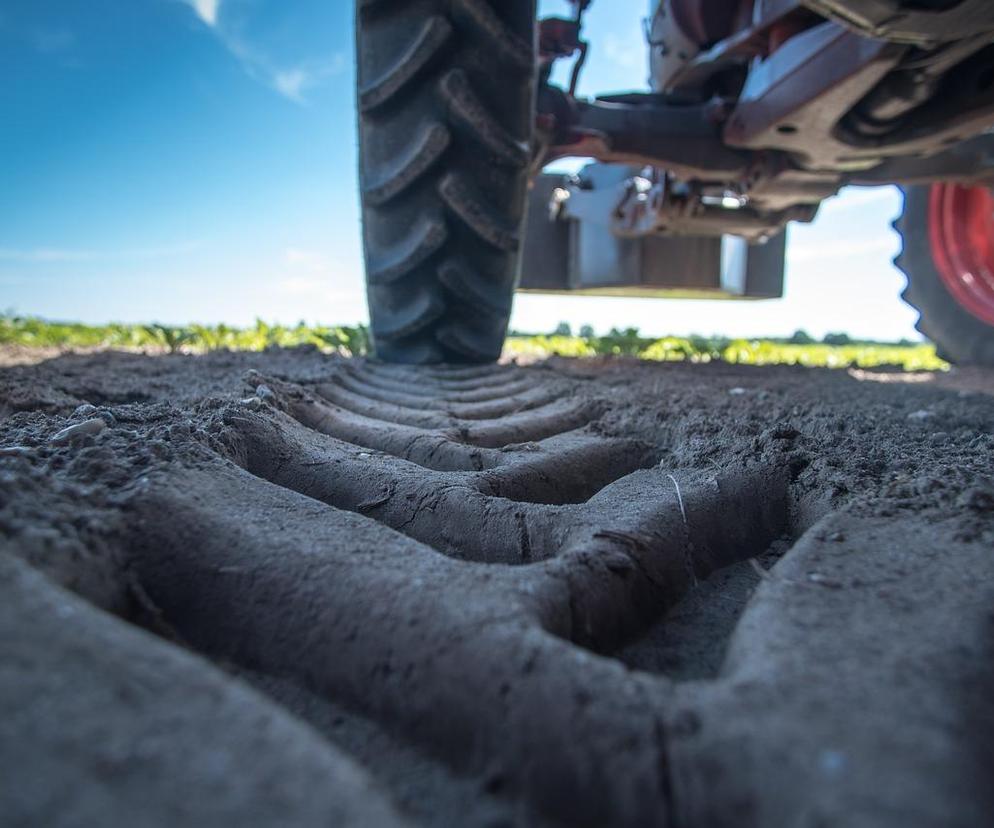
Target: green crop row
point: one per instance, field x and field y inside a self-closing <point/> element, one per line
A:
<point x="908" y="356"/>
<point x="799" y="350"/>
<point x="33" y="332"/>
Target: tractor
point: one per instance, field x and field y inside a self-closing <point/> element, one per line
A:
<point x="756" y="112"/>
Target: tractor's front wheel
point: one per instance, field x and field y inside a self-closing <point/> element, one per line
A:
<point x="445" y="97"/>
<point x="948" y="256"/>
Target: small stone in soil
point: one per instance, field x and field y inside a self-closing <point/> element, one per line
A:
<point x="70" y="433"/>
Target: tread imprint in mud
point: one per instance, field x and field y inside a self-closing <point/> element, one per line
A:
<point x="592" y="538"/>
<point x="444" y="94"/>
<point x="465" y="557"/>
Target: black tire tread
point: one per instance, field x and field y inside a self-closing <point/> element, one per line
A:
<point x="424" y="238"/>
<point x="411" y="163"/>
<point x="467" y="109"/>
<point x="470" y="206"/>
<point x="515" y="47"/>
<point x="432" y="37"/>
<point x="458" y="276"/>
<point x="445" y="91"/>
<point x="959" y="336"/>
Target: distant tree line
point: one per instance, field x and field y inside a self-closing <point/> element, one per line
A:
<point x="632" y="335"/>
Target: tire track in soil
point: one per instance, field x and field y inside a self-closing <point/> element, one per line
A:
<point x="607" y="566"/>
<point x="463" y="562"/>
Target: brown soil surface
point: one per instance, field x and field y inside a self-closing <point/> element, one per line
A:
<point x="290" y="589"/>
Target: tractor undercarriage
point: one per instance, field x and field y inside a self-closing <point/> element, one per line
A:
<point x="755" y="117"/>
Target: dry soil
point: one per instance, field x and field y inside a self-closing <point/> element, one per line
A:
<point x="292" y="589"/>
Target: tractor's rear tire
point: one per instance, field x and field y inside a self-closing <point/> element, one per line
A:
<point x="947" y="232"/>
<point x="446" y="98"/>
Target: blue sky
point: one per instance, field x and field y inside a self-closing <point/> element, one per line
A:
<point x="194" y="160"/>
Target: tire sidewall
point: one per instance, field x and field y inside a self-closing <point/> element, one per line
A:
<point x="959" y="336"/>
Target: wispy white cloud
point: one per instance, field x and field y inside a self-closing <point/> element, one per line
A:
<point x="291" y="79"/>
<point x="52" y="255"/>
<point x="207" y="10"/>
<point x="290" y="83"/>
<point x="293" y="82"/>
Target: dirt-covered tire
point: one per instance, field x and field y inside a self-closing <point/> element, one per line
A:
<point x="445" y="98"/>
<point x="956" y="325"/>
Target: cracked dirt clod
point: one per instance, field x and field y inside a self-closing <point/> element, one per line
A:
<point x="448" y="575"/>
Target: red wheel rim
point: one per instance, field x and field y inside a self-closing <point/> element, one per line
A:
<point x="961" y="235"/>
